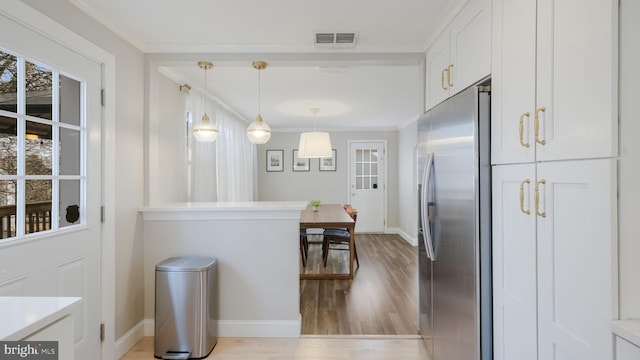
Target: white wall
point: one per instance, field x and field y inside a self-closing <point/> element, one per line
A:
<point x="629" y="170"/>
<point x="167" y="141"/>
<point x="407" y="182"/>
<point x="329" y="187"/>
<point x="258" y="266"/>
<point x="129" y="154"/>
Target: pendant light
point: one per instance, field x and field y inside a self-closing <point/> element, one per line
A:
<point x="259" y="132"/>
<point x="315" y="144"/>
<point x="204" y="130"/>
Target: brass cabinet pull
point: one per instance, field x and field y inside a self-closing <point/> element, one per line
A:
<point x="527" y="114"/>
<point x="536" y="126"/>
<point x="528" y="181"/>
<point x="537" y="191"/>
<point x="449" y="75"/>
<point x="442" y="80"/>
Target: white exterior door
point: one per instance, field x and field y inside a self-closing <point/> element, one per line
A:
<point x="367" y="184"/>
<point x="62" y="258"/>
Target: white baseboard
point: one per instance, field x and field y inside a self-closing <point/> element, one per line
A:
<point x="247" y="328"/>
<point x="264" y="328"/>
<point x="408" y="238"/>
<point x="126" y="342"/>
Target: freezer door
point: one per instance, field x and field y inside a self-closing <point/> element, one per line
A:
<point x="455" y="304"/>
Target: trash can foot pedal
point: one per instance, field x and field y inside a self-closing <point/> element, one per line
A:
<point x="176" y="355"/>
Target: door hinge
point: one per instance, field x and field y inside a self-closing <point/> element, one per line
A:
<point x="102" y="214"/>
<point x="102" y="97"/>
<point x="101" y="332"/>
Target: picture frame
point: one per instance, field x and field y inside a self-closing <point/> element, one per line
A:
<point x="328" y="164"/>
<point x="298" y="163"/>
<point x="275" y="160"/>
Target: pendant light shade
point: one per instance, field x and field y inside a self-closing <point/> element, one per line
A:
<point x="315" y="144"/>
<point x="204" y="130"/>
<point x="259" y="132"/>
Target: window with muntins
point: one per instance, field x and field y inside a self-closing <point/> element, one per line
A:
<point x="367" y="169"/>
<point x="42" y="147"/>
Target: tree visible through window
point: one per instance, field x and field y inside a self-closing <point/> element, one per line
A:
<point x="40" y="147"/>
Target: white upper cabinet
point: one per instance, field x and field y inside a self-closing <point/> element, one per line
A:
<point x="554" y="76"/>
<point x="437" y="71"/>
<point x="461" y="56"/>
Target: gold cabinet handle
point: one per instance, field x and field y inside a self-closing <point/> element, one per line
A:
<point x="537" y="191"/>
<point x="442" y="80"/>
<point x="536" y="126"/>
<point x="449" y="75"/>
<point x="528" y="181"/>
<point x="527" y="114"/>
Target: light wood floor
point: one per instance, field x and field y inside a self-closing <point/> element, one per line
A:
<point x="304" y="348"/>
<point x="381" y="299"/>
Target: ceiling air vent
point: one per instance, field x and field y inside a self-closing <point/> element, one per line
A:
<point x="336" y="40"/>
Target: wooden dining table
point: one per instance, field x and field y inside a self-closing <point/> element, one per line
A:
<point x="329" y="216"/>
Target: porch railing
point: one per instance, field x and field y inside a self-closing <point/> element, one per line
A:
<point x="37" y="218"/>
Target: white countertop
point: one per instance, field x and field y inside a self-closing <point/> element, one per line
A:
<point x="254" y="210"/>
<point x="23" y="315"/>
<point x="628" y="329"/>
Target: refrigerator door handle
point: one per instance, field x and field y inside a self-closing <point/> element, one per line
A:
<point x="426" y="226"/>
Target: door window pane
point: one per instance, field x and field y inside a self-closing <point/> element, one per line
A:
<point x="69" y="207"/>
<point x="38" y="149"/>
<point x="8" y="146"/>
<point x="8" y="82"/>
<point x="37" y="205"/>
<point x="69" y="152"/>
<point x="69" y="101"/>
<point x="39" y="91"/>
<point x="8" y="190"/>
<point x="28" y="154"/>
<point x="366" y="169"/>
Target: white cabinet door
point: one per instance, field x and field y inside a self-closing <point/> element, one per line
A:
<point x="626" y="350"/>
<point x="513" y="81"/>
<point x="576" y="238"/>
<point x="514" y="262"/>
<point x="461" y="56"/>
<point x="470" y="34"/>
<point x="559" y="71"/>
<point x="577" y="78"/>
<point x="437" y="64"/>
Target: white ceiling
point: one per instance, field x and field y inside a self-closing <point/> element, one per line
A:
<point x="379" y="81"/>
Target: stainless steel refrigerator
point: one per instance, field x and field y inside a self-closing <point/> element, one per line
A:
<point x="454" y="189"/>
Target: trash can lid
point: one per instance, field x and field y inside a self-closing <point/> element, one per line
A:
<point x="186" y="263"/>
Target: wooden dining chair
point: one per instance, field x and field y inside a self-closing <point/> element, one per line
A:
<point x="339" y="239"/>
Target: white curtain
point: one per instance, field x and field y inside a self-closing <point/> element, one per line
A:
<point x="222" y="170"/>
<point x="235" y="158"/>
<point x="203" y="154"/>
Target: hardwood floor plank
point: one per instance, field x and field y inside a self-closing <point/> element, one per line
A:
<point x="301" y="349"/>
<point x="381" y="299"/>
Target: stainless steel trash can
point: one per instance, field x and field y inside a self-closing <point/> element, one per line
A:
<point x="186" y="307"/>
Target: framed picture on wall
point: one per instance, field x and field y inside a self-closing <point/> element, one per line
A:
<point x="300" y="164"/>
<point x="328" y="164"/>
<point x="275" y="160"/>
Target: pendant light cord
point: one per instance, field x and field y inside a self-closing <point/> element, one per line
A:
<point x="205" y="89"/>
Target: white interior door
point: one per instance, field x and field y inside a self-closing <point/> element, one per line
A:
<point x="63" y="257"/>
<point x="367" y="184"/>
